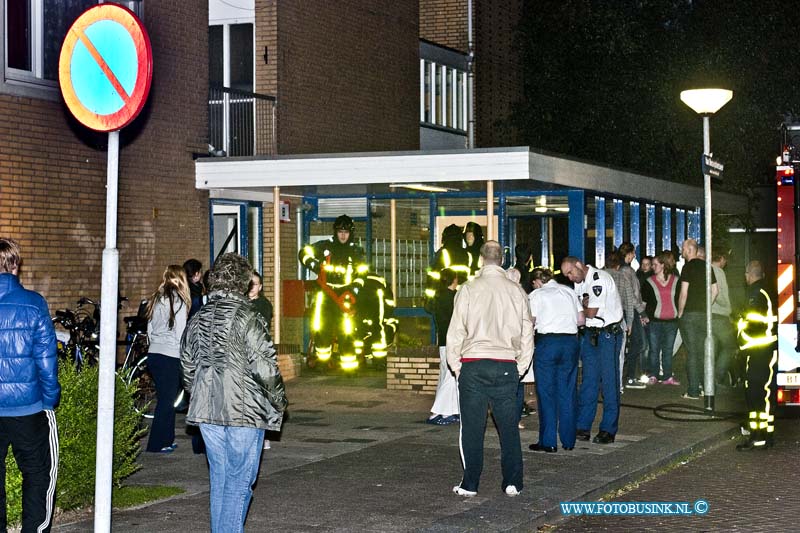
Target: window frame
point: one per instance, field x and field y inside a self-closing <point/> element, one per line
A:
<point x="31" y="83"/>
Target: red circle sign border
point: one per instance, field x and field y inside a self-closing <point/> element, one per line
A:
<point x="144" y="53"/>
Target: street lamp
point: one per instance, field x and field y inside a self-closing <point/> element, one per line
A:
<point x="706" y="102"/>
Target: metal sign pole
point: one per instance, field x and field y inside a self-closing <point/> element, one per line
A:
<point x="708" y="365"/>
<point x="108" y="342"/>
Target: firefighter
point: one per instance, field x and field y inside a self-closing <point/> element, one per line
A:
<point x="758" y="341"/>
<point x="451" y="255"/>
<point x="340" y="267"/>
<point x="473" y="240"/>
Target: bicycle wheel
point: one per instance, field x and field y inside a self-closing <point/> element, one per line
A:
<point x="145" y="397"/>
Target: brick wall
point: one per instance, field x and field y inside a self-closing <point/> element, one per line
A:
<point x="497" y="81"/>
<point x="348" y="76"/>
<point x="413" y="369"/>
<point x="444" y="22"/>
<point x="53" y="175"/>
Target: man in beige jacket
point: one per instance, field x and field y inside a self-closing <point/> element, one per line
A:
<point x="489" y="347"/>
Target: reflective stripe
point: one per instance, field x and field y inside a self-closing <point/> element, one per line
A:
<point x="51" y="486"/>
<point x="316" y="324"/>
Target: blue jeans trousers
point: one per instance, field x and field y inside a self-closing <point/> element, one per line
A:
<point x="556" y="368"/>
<point x="600" y="373"/>
<point x="234" y="456"/>
<point x="483" y="384"/>
<point x="662" y="341"/>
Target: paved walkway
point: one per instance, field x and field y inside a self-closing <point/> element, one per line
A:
<point x="745" y="491"/>
<point x="356" y="457"/>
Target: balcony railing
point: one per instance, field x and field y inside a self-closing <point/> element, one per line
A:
<point x="241" y="123"/>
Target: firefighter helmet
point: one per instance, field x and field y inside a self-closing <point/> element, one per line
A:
<point x="344" y="222"/>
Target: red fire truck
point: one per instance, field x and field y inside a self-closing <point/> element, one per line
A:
<point x="788" y="222"/>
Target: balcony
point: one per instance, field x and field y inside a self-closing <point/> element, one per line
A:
<point x="241" y="123"/>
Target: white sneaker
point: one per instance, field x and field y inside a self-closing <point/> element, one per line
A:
<point x="644" y="379"/>
<point x="512" y="491"/>
<point x="465" y="493"/>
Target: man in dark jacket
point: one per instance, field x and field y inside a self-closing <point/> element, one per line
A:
<point x="230" y="367"/>
<point x="29" y="391"/>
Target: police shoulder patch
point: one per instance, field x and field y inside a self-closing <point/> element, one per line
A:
<point x="597" y="290"/>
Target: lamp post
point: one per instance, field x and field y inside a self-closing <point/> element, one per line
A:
<point x="706" y="102"/>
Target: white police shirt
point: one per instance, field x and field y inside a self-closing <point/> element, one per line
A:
<point x="555" y="308"/>
<point x="603" y="296"/>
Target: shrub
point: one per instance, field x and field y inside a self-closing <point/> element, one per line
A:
<point x="76" y="417"/>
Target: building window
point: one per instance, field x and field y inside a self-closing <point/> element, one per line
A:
<point x="442" y="95"/>
<point x="33" y="33"/>
<point x="230" y="56"/>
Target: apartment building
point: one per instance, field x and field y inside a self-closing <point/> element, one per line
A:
<point x="53" y="170"/>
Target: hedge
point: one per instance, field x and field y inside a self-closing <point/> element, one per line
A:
<point x="76" y="417"/>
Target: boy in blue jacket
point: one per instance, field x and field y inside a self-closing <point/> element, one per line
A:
<point x="29" y="391"/>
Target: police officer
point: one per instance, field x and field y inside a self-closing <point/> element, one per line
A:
<point x="600" y="346"/>
<point x="557" y="314"/>
<point x="451" y="255"/>
<point x="757" y="339"/>
<point x="338" y="263"/>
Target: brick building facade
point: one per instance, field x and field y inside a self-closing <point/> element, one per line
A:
<point x="53" y="173"/>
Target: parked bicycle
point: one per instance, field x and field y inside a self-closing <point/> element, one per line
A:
<point x="78" y="333"/>
<point x="78" y="338"/>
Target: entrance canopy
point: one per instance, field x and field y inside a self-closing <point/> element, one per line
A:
<point x="450" y="168"/>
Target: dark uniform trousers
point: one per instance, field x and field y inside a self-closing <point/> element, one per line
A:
<point x="761" y="391"/>
<point x="483" y="384"/>
<point x="556" y="370"/>
<point x="34" y="443"/>
<point x="599" y="373"/>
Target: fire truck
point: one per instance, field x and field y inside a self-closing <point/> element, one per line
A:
<point x="788" y="226"/>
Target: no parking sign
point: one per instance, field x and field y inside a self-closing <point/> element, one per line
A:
<point x="105" y="67"/>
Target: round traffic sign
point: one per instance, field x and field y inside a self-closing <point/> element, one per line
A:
<point x="105" y="67"/>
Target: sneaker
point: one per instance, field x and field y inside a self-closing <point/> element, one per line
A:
<point x="652" y="380"/>
<point x="433" y="419"/>
<point x="447" y="420"/>
<point x="688" y="396"/>
<point x="671" y="381"/>
<point x="634" y="384"/>
<point x="465" y="493"/>
<point x="644" y="378"/>
<point x="166" y="449"/>
<point x="512" y="491"/>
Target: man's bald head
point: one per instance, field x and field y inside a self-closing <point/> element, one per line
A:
<point x="492" y="253"/>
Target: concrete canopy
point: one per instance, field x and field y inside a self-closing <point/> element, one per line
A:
<point x="253" y="175"/>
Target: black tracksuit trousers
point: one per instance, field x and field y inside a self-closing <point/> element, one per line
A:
<point x="34" y="443"/>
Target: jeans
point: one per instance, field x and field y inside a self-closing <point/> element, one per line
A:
<point x="600" y="373"/>
<point x="633" y="358"/>
<point x="483" y="384"/>
<point x="662" y="341"/>
<point x="556" y="367"/>
<point x="166" y="372"/>
<point x="724" y="346"/>
<point x="693" y="331"/>
<point x="234" y="456"/>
